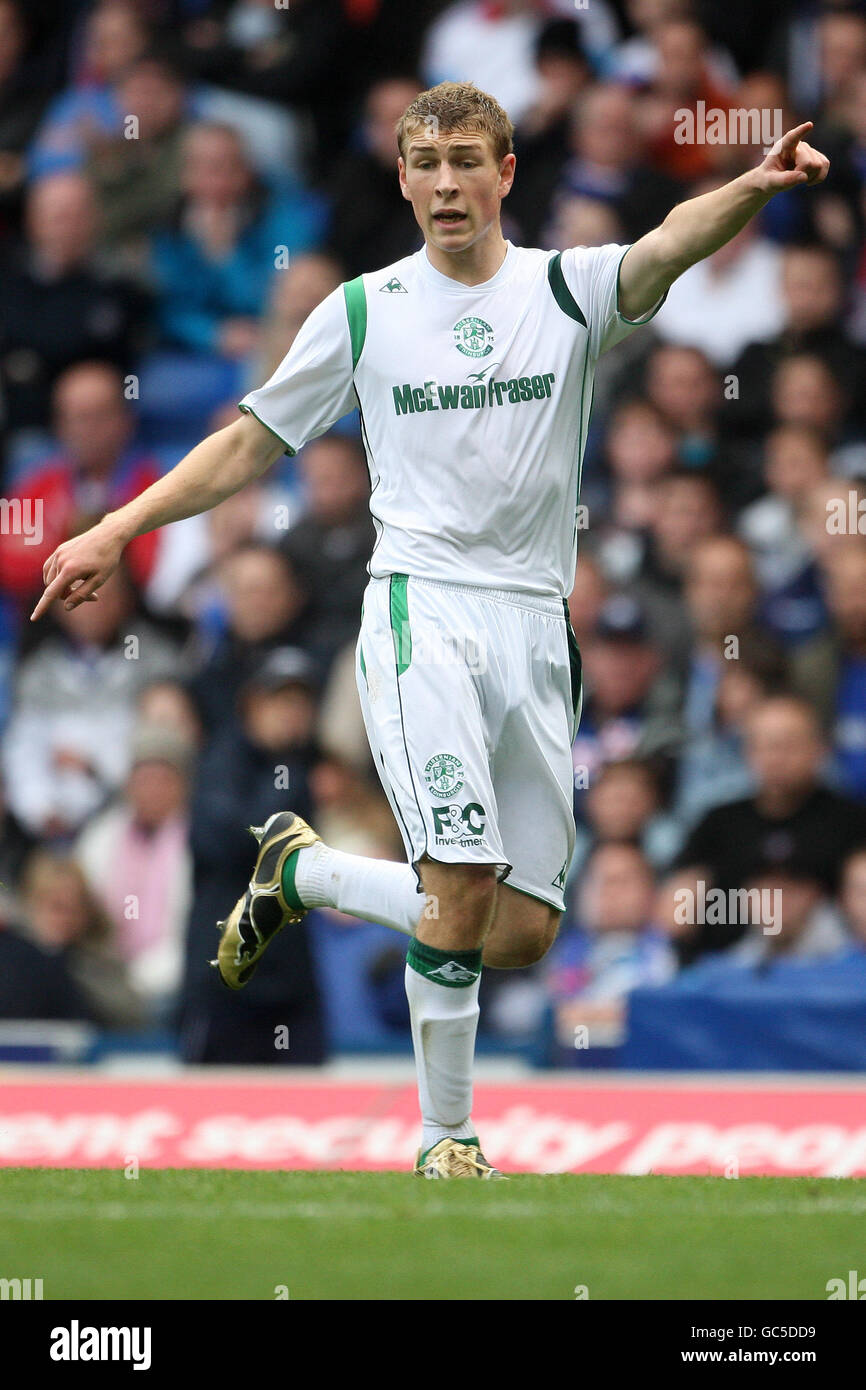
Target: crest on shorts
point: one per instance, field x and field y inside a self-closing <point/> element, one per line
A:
<point x="444" y="775"/>
<point x="473" y="337"/>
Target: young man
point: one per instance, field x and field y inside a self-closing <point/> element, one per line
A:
<point x="472" y="364"/>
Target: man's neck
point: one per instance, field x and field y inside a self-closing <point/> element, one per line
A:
<point x="478" y="263"/>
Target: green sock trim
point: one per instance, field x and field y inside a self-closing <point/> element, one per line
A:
<point x="454" y="969"/>
<point x="287" y="881"/>
<point x="474" y="1141"/>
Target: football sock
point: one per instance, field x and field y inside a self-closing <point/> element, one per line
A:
<point x="376" y="890"/>
<point x="442" y="989"/>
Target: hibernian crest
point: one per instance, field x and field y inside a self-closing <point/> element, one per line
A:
<point x="473" y="337"/>
<point x="444" y="775"/>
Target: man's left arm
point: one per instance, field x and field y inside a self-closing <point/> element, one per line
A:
<point x="695" y="229"/>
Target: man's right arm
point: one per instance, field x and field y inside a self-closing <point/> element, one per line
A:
<point x="214" y="470"/>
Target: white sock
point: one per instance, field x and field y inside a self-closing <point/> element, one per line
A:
<point x="444" y="1022"/>
<point x="376" y="890"/>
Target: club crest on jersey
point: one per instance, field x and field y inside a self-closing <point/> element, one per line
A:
<point x="473" y="337"/>
<point x="444" y="775"/>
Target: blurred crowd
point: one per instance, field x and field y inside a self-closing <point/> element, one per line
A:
<point x="181" y="182"/>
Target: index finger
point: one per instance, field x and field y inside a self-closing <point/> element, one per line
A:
<point x="791" y="138"/>
<point x="52" y="591"/>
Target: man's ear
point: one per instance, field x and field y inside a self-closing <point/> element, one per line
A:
<point x="506" y="174"/>
<point x="401" y="174"/>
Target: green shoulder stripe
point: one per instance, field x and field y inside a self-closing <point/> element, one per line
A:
<point x="356" y="312"/>
<point x="561" y="293"/>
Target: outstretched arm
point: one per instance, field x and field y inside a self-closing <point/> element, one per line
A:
<point x="215" y="469"/>
<point x="697" y="228"/>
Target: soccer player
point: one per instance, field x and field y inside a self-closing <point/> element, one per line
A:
<point x="472" y="365"/>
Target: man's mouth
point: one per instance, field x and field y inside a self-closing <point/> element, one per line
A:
<point x="449" y="217"/>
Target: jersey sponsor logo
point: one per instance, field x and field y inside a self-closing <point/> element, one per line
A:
<point x="515" y="390"/>
<point x="444" y="775"/>
<point x="460" y="824"/>
<point x="473" y="337"/>
<point x="393" y="286"/>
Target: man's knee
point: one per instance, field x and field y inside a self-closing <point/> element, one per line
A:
<point x="521" y="935"/>
<point x="460" y="901"/>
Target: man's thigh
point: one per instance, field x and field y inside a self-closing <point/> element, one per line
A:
<point x="533" y="776"/>
<point x="429" y="735"/>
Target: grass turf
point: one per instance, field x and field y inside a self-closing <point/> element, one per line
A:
<point x="179" y="1234"/>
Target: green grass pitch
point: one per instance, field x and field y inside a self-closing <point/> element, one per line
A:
<point x="192" y="1234"/>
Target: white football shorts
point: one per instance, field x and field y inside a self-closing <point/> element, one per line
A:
<point x="471" y="699"/>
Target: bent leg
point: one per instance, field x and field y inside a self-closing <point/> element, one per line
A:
<point x="522" y="931"/>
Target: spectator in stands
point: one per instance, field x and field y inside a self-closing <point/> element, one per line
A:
<point x="722" y="596"/>
<point x="63" y="918"/>
<point x="115" y="35"/>
<point x="300" y="55"/>
<point x="689" y="391"/>
<point x="683" y="77"/>
<point x="23" y="98"/>
<point x="66" y="745"/>
<point x="35" y="984"/>
<point x="607" y="162"/>
<point x="264" y="605"/>
<point x="807" y="927"/>
<point x="791" y="815"/>
<point x="56" y="306"/>
<point x="620" y="667"/>
<point x="542" y="137"/>
<point x="245" y="775"/>
<point x="168" y="705"/>
<point x="623" y="804"/>
<point x="372" y="223"/>
<point x="295" y="293"/>
<point x="688" y="513"/>
<point x="795" y="462"/>
<point x="636" y="59"/>
<point x="830" y="671"/>
<point x="711" y="765"/>
<point x="612" y="948"/>
<point x="641" y="450"/>
<point x="330" y="547"/>
<point x="213" y="267"/>
<point x="577" y="220"/>
<point x="98" y="467"/>
<point x="804" y="391"/>
<point x="136" y="859"/>
<point x="812" y="304"/>
<point x="136" y="171"/>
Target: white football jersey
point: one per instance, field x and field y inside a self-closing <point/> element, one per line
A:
<point x="474" y="404"/>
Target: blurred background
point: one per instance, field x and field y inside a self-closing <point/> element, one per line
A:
<point x="181" y="182"/>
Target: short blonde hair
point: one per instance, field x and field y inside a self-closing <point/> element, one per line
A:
<point x="454" y="106"/>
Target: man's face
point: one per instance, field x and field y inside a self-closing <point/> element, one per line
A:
<point x="455" y="185"/>
<point x="783" y="747"/>
<point x="90" y="418"/>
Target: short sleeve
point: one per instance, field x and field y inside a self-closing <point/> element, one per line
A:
<point x="592" y="275"/>
<point x="312" y="387"/>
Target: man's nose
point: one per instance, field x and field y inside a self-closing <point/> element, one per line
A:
<point x="446" y="181"/>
